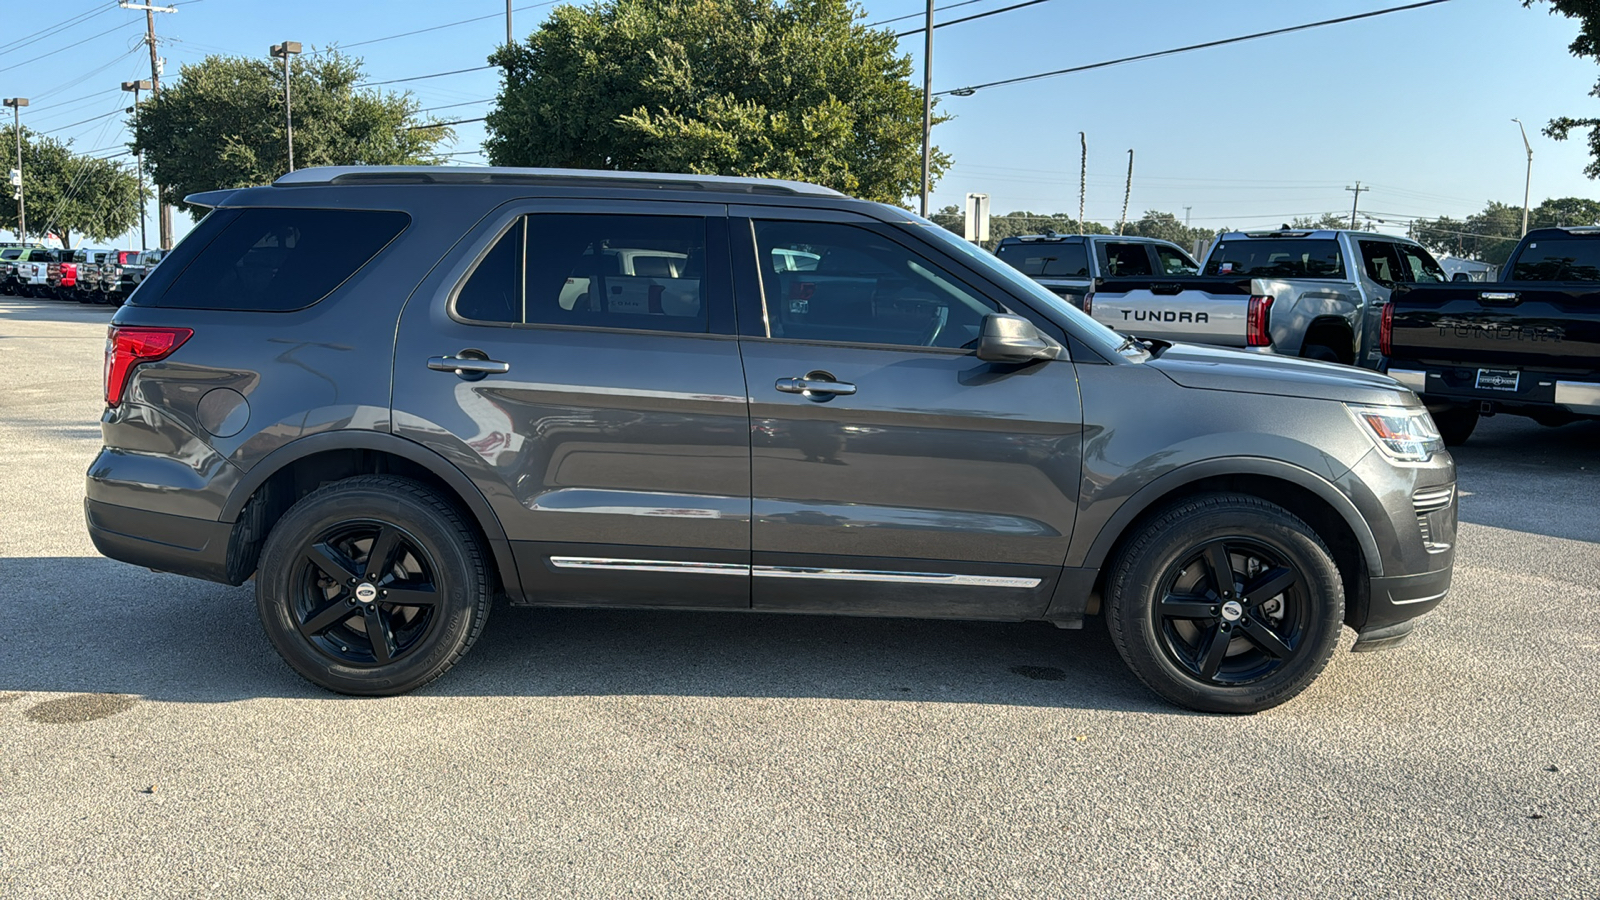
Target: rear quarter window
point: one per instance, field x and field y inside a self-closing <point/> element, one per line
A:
<point x="274" y="260"/>
<point x="1272" y="258"/>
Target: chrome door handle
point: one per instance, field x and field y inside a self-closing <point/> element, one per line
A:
<point x="467" y="365"/>
<point x="805" y="386"/>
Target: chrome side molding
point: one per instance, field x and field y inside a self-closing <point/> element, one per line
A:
<point x="689" y="567"/>
<point x="666" y="566"/>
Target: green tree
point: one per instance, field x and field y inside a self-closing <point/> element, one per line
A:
<point x="1167" y="227"/>
<point x="1488" y="236"/>
<point x="1559" y="211"/>
<point x="67" y="193"/>
<point x="1331" y="222"/>
<point x="221" y="124"/>
<point x="791" y="89"/>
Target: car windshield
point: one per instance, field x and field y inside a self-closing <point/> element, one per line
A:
<point x="1094" y="333"/>
<point x="1276" y="258"/>
<point x="1558" y="259"/>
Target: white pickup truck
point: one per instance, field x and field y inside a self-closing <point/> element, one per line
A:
<point x="1314" y="294"/>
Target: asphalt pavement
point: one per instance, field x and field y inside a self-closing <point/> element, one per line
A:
<point x="153" y="744"/>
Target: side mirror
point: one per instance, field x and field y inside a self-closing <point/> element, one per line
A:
<point x="1460" y="276"/>
<point x="1013" y="339"/>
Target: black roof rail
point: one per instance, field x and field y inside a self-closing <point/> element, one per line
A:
<point x="324" y="175"/>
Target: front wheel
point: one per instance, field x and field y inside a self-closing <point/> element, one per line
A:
<point x="373" y="586"/>
<point x="1455" y="424"/>
<point x="1225" y="603"/>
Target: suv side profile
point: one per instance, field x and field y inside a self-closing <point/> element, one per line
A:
<point x="390" y="395"/>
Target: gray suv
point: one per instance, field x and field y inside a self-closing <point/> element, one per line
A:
<point x="391" y="395"/>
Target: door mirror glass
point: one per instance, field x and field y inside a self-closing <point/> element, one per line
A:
<point x="1014" y="339"/>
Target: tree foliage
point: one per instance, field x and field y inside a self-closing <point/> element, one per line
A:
<point x="775" y="88"/>
<point x="221" y="125"/>
<point x="1586" y="44"/>
<point x="1331" y="222"/>
<point x="1491" y="234"/>
<point x="66" y="193"/>
<point x="1153" y="223"/>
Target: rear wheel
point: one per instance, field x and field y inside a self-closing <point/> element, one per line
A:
<point x="1225" y="603"/>
<point x="1320" y="353"/>
<point x="373" y="586"/>
<point x="1455" y="424"/>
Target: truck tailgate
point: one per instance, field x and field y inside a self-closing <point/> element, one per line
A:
<point x="1543" y="325"/>
<point x="1199" y="309"/>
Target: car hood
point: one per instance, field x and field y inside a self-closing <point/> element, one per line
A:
<point x="1218" y="369"/>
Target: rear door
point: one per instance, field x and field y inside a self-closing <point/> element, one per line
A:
<point x="894" y="472"/>
<point x="579" y="360"/>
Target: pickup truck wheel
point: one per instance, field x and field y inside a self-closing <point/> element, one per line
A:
<point x="1225" y="603"/>
<point x="1455" y="424"/>
<point x="1320" y="353"/>
<point x="373" y="586"/>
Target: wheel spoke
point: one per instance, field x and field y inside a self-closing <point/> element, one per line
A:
<point x="328" y="616"/>
<point x="380" y="559"/>
<point x="415" y="595"/>
<point x="1212" y="650"/>
<point x="1175" y="606"/>
<point x="378" y="634"/>
<point x="1220" y="568"/>
<point x="332" y="563"/>
<point x="1269" y="584"/>
<point x="1265" y="638"/>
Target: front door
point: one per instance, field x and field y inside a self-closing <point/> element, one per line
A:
<point x="894" y="472"/>
<point x="582" y="368"/>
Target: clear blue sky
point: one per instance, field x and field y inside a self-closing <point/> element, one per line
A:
<point x="1417" y="105"/>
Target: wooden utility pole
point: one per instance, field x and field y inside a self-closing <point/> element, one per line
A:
<point x="155" y="91"/>
<point x="1355" y="202"/>
<point x="1083" y="176"/>
<point x="1126" y="193"/>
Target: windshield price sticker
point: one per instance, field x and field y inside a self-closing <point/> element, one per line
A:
<point x="1498" y="379"/>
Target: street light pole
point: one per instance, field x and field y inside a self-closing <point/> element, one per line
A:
<point x="1528" y="181"/>
<point x="927" y="107"/>
<point x="16" y="104"/>
<point x="136" y="87"/>
<point x="284" y="51"/>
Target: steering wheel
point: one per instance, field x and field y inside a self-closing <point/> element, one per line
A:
<point x="935" y="328"/>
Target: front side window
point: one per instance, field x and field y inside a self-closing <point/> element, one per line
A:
<point x="1276" y="258"/>
<point x="605" y="271"/>
<point x="1383" y="266"/>
<point x="1175" y="262"/>
<point x="1417" y="267"/>
<point x="1127" y="260"/>
<point x="864" y="289"/>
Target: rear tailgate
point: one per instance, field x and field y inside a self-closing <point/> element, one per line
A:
<point x="1194" y="308"/>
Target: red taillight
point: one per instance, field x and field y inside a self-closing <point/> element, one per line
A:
<point x="1088" y="303"/>
<point x="1256" y="322"/>
<point x="1386" y="329"/>
<point x="128" y="346"/>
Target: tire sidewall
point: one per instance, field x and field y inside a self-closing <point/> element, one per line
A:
<point x="463" y="597"/>
<point x="1174" y="536"/>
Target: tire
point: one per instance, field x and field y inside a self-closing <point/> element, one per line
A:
<point x="1239" y="652"/>
<point x="323" y="627"/>
<point x="1320" y="353"/>
<point x="1455" y="424"/>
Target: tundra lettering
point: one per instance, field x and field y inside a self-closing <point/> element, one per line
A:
<point x="1501" y="332"/>
<point x="1158" y="315"/>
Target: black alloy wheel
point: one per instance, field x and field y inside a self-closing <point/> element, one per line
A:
<point x="365" y="593"/>
<point x="374" y="585"/>
<point x="1225" y="603"/>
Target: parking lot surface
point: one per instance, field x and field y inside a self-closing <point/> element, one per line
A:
<point x="153" y="744"/>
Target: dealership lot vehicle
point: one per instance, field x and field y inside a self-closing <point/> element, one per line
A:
<point x="1528" y="345"/>
<point x="1071" y="265"/>
<point x="603" y="751"/>
<point x="1313" y="294"/>
<point x="926" y="451"/>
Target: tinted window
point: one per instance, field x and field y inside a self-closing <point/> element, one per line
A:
<point x="1175" y="262"/>
<point x="1558" y="259"/>
<point x="1127" y="260"/>
<point x="1382" y="265"/>
<point x="10" y="253"/>
<point x="865" y="289"/>
<point x="1417" y="267"/>
<point x="1047" y="258"/>
<point x="281" y="259"/>
<point x="593" y="270"/>
<point x="1276" y="258"/>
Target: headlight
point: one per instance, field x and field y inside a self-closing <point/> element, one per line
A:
<point x="1403" y="433"/>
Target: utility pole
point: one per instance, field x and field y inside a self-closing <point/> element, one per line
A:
<point x="16" y="104"/>
<point x="284" y="51"/>
<point x="136" y="87"/>
<point x="155" y="90"/>
<point x="508" y="22"/>
<point x="1083" y="176"/>
<point x="1354" y="202"/>
<point x="927" y="107"/>
<point x="1126" y="193"/>
<point x="1528" y="182"/>
<point x="1186" y="216"/>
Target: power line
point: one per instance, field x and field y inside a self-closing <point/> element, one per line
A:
<point x="992" y="12"/>
<point x="72" y="46"/>
<point x="84" y="122"/>
<point x="452" y="72"/>
<point x="402" y="34"/>
<point x="55" y="29"/>
<point x="967" y="91"/>
<point x="443" y="124"/>
<point x="919" y="15"/>
<point x="454" y="105"/>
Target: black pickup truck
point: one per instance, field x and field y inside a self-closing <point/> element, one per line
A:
<point x="1528" y="345"/>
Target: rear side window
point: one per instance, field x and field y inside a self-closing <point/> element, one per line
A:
<point x="1269" y="258"/>
<point x="274" y="260"/>
<point x="1558" y="259"/>
<point x="1127" y="260"/>
<point x="1175" y="262"/>
<point x="1047" y="260"/>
